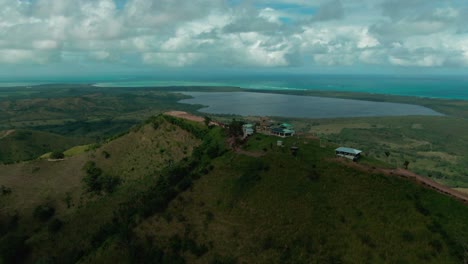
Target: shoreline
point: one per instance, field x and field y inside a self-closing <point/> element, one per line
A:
<point x="387" y="86"/>
<point x="455" y="107"/>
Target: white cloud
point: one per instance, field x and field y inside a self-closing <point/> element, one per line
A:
<point x="45" y="44"/>
<point x="271" y="15"/>
<point x="366" y="40"/>
<point x="420" y="61"/>
<point x="171" y="59"/>
<point x="24" y="56"/>
<point x="179" y="33"/>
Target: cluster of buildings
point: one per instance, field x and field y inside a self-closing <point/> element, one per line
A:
<point x="287" y="130"/>
<point x="281" y="130"/>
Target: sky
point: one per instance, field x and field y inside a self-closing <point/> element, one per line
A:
<point x="99" y="37"/>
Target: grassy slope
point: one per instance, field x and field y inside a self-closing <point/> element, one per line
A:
<point x="273" y="209"/>
<point x="304" y="209"/>
<point x="291" y="216"/>
<point x="141" y="151"/>
<point x="27" y="144"/>
<point x="42" y="182"/>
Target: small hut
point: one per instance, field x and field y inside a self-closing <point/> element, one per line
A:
<point x="248" y="129"/>
<point x="349" y="153"/>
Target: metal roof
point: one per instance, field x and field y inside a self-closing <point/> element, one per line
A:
<point x="277" y="130"/>
<point x="348" y="150"/>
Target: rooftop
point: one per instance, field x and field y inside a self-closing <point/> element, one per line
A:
<point x="348" y="150"/>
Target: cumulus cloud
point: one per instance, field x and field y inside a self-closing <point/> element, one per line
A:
<point x="259" y="33"/>
<point x="25" y="56"/>
<point x="171" y="59"/>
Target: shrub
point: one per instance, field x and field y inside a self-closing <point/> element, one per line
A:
<point x="313" y="175"/>
<point x="55" y="225"/>
<point x="185" y="183"/>
<point x="96" y="181"/>
<point x="5" y="190"/>
<point x="57" y="155"/>
<point x="13" y="249"/>
<point x="235" y="128"/>
<point x="213" y="151"/>
<point x="209" y="216"/>
<point x="421" y="209"/>
<point x="436" y="245"/>
<point x="105" y="154"/>
<point x="109" y="183"/>
<point x="407" y="236"/>
<point x="43" y="212"/>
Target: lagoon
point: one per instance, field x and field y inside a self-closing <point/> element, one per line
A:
<point x="282" y="105"/>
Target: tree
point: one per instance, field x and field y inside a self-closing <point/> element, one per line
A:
<point x="55" y="225"/>
<point x="43" y="212"/>
<point x="406" y="164"/>
<point x="207" y="120"/>
<point x="235" y="128"/>
<point x="68" y="199"/>
<point x="387" y="154"/>
<point x="57" y="155"/>
<point x="96" y="181"/>
<point x="105" y="154"/>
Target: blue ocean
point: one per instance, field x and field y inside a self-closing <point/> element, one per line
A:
<point x="446" y="87"/>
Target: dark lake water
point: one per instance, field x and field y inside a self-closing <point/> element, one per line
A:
<point x="264" y="104"/>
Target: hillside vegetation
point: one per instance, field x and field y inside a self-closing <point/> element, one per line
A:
<point x="171" y="191"/>
<point x="20" y="145"/>
<point x="46" y="118"/>
<point x="41" y="195"/>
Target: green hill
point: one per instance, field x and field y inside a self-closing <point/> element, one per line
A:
<point x="20" y="145"/>
<point x="183" y="197"/>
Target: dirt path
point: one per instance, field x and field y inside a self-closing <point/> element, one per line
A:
<point x="410" y="175"/>
<point x="185" y="115"/>
<point x="463" y="190"/>
<point x="188" y="116"/>
<point x="6" y="133"/>
<point x="430" y="184"/>
<point x="249" y="153"/>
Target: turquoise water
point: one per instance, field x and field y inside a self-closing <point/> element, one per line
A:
<point x="432" y="87"/>
<point x="447" y="87"/>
